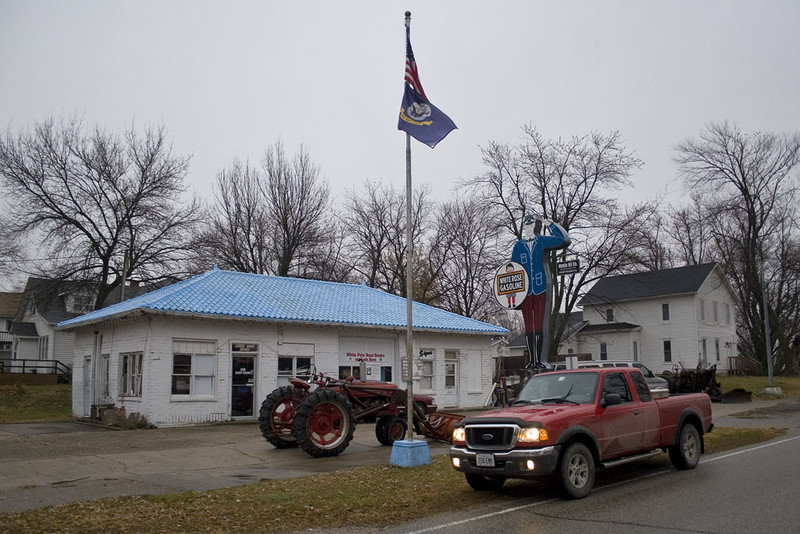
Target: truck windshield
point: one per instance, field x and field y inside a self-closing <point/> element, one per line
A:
<point x="544" y="388"/>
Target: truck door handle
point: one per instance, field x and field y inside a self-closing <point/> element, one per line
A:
<point x="636" y="412"/>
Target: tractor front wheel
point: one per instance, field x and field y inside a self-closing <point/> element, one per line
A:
<point x="390" y="428"/>
<point x="324" y="423"/>
<point x="276" y="416"/>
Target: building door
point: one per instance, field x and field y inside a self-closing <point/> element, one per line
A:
<point x="102" y="380"/>
<point x="451" y="378"/>
<point x="87" y="386"/>
<point x="243" y="363"/>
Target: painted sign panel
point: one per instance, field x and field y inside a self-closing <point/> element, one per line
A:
<point x="510" y="285"/>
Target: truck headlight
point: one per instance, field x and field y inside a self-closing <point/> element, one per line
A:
<point x="531" y="435"/>
<point x="459" y="434"/>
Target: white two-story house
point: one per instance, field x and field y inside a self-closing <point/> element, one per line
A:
<point x="674" y="317"/>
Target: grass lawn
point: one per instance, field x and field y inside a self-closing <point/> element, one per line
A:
<point x="790" y="385"/>
<point x="35" y="404"/>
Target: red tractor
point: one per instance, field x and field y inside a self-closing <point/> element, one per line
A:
<point x="320" y="415"/>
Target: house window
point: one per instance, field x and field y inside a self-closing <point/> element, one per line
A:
<point x="727" y="313"/>
<point x="636" y="351"/>
<point x="82" y="303"/>
<point x="450" y="374"/>
<point x="716" y="348"/>
<point x="193" y="365"/>
<point x="603" y="351"/>
<point x="715" y="310"/>
<point x="284" y="369"/>
<point x="426" y="374"/>
<point x="667" y="350"/>
<point x="130" y="382"/>
<point x="665" y="311"/>
<point x="610" y="315"/>
<point x="702" y="309"/>
<point x="105" y="366"/>
<point x="44" y="347"/>
<point x="301" y="366"/>
<point x="704" y="351"/>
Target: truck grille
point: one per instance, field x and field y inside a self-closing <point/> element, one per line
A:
<point x="491" y="436"/>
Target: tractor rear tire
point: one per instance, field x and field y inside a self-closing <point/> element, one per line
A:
<point x="324" y="423"/>
<point x="390" y="428"/>
<point x="276" y="416"/>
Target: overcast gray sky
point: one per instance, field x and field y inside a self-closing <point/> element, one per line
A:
<point x="230" y="78"/>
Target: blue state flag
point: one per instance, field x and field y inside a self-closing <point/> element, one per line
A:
<point x="422" y="120"/>
<point x="418" y="117"/>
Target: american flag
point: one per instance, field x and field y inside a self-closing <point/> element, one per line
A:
<point x="412" y="76"/>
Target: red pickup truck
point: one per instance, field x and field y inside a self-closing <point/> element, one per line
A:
<point x="565" y="424"/>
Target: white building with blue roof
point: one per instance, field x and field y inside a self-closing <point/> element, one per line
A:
<point x="212" y="347"/>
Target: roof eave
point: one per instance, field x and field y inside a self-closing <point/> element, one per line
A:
<point x="601" y="302"/>
<point x="269" y="320"/>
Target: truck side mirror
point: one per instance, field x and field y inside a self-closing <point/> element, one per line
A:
<point x="610" y="399"/>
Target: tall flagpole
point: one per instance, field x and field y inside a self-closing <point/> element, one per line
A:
<point x="409" y="284"/>
<point x="409" y="288"/>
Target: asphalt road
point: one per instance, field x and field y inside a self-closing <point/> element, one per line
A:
<point x="750" y="490"/>
<point x="46" y="464"/>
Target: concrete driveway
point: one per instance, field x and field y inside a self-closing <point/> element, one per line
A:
<point x="55" y="463"/>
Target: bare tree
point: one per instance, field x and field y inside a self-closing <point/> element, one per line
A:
<point x="237" y="235"/>
<point x="274" y="219"/>
<point x="690" y="234"/>
<point x="650" y="244"/>
<point x="104" y="206"/>
<point x="369" y="218"/>
<point x="330" y="259"/>
<point x="466" y="252"/>
<point x="572" y="182"/>
<point x="745" y="185"/>
<point x="297" y="201"/>
<point x="376" y="227"/>
<point x="10" y="250"/>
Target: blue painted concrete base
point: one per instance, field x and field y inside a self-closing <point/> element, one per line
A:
<point x="407" y="453"/>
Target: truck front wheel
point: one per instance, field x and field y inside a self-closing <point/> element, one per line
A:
<point x="576" y="472"/>
<point x="484" y="483"/>
<point x="685" y="454"/>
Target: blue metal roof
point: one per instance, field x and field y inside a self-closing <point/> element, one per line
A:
<point x="219" y="293"/>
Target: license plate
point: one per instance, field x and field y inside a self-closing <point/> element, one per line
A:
<point x="484" y="460"/>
